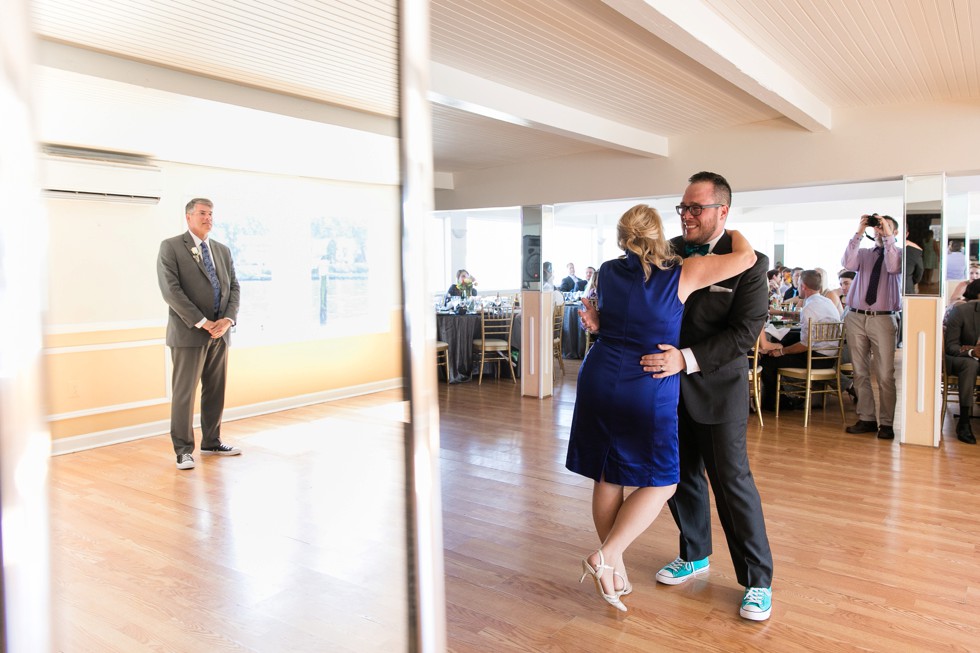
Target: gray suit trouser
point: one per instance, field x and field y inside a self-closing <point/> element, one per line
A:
<point x="965" y="369"/>
<point x="209" y="365"/>
<point x="867" y="336"/>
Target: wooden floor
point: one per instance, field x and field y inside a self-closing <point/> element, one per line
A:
<point x="296" y="545"/>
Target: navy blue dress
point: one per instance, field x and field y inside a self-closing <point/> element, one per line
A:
<point x="625" y="423"/>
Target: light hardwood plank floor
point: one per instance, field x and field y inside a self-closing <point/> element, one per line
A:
<point x="297" y="544"/>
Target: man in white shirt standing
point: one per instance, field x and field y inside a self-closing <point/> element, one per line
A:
<point x="815" y="307"/>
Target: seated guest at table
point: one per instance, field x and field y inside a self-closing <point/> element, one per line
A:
<point x="569" y="283"/>
<point x="557" y="296"/>
<point x="815" y="307"/>
<point x="464" y="283"/>
<point x="960" y="344"/>
<point x="956" y="261"/>
<point x="583" y="283"/>
<point x="845" y="278"/>
<point x="826" y="291"/>
<point x="956" y="297"/>
<point x="794" y="285"/>
<point x="775" y="280"/>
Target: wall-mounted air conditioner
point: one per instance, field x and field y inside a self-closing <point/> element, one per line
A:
<point x="84" y="174"/>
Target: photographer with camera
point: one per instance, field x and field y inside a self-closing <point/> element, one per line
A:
<point x="872" y="321"/>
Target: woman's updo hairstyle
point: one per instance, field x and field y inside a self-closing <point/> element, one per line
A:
<point x="641" y="231"/>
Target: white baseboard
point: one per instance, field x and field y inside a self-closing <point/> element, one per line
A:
<point x="161" y="427"/>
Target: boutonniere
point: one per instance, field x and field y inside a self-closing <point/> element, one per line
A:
<point x="196" y="253"/>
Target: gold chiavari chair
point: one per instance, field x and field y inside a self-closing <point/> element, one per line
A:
<point x="442" y="356"/>
<point x="808" y="381"/>
<point x="755" y="371"/>
<point x="558" y="323"/>
<point x="493" y="345"/>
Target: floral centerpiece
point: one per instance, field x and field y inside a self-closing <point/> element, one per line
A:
<point x="466" y="286"/>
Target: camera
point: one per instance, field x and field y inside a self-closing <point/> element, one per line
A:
<point x="873" y="220"/>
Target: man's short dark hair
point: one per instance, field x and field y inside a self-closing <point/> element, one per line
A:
<point x="846" y="274"/>
<point x="723" y="192"/>
<point x="972" y="290"/>
<point x="772" y="273"/>
<point x="892" y="220"/>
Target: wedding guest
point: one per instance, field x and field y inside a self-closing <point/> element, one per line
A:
<point x="465" y="284"/>
<point x="569" y="283"/>
<point x="624" y="427"/>
<point x="961" y="343"/>
<point x="197" y="278"/>
<point x="914" y="268"/>
<point x="816" y="307"/>
<point x="957" y="296"/>
<point x="872" y="322"/>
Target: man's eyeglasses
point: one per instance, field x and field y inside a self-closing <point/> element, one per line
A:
<point x="695" y="209"/>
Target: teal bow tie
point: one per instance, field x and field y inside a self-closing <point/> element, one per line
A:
<point x="700" y="250"/>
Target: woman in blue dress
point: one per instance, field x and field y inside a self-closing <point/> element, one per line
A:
<point x="624" y="428"/>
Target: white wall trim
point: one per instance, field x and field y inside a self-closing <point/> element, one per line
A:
<point x="126" y="344"/>
<point x="116" y="436"/>
<point x="95" y="327"/>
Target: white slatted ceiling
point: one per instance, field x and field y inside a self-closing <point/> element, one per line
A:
<point x="582" y="53"/>
<point x="465" y="141"/>
<point x="868" y="52"/>
<point x="343" y="52"/>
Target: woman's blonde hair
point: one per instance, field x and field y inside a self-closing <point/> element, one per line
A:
<point x="641" y="231"/>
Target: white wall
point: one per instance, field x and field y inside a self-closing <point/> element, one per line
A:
<point x="881" y="143"/>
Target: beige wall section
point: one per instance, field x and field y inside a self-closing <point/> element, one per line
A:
<point x="886" y="143"/>
<point x="94" y="379"/>
<point x="923" y="315"/>
<point x="261" y="374"/>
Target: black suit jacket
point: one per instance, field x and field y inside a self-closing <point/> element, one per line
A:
<point x="580" y="286"/>
<point x="567" y="284"/>
<point x="720" y="327"/>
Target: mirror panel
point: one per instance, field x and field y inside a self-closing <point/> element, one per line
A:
<point x="924" y="229"/>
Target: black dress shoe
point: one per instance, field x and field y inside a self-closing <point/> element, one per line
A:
<point x="886" y="432"/>
<point x="854" y="395"/>
<point x="863" y="426"/>
<point x="964" y="433"/>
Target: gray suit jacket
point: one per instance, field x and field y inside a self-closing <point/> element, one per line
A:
<point x="962" y="327"/>
<point x="187" y="290"/>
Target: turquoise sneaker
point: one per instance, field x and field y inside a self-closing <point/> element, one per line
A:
<point x="679" y="571"/>
<point x="757" y="603"/>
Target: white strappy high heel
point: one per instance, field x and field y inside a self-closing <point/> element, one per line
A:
<point x="596" y="573"/>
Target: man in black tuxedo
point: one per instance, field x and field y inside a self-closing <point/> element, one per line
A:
<point x="198" y="282"/>
<point x="720" y="325"/>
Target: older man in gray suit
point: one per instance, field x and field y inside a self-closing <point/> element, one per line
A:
<point x="197" y="279"/>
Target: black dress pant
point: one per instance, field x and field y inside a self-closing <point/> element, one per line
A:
<point x="719" y="450"/>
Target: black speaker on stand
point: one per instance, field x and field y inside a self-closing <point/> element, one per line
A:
<point x="531" y="259"/>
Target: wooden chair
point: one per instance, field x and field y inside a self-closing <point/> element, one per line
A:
<point x="442" y="356"/>
<point x="558" y="322"/>
<point x="808" y="381"/>
<point x="755" y="372"/>
<point x="950" y="387"/>
<point x="493" y="345"/>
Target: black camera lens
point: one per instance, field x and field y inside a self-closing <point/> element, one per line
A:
<point x="873" y="221"/>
